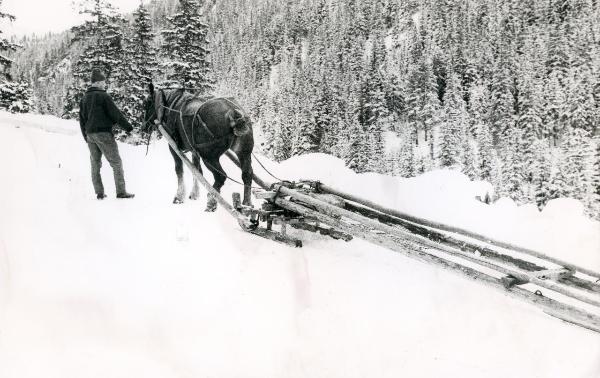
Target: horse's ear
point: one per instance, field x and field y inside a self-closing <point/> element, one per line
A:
<point x="237" y="113"/>
<point x="230" y="115"/>
<point x="151" y="88"/>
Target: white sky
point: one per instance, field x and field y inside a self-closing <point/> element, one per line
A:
<point x="41" y="16"/>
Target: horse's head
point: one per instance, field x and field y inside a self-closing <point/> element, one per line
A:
<point x="240" y="123"/>
<point x="149" y="104"/>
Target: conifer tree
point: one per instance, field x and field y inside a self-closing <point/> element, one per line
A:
<point x="187" y="49"/>
<point x="480" y="129"/>
<point x="577" y="177"/>
<point x="542" y="181"/>
<point x="358" y="147"/>
<point x="555" y="108"/>
<point x="102" y="39"/>
<point x="5" y="47"/>
<point x="141" y="65"/>
<point x="530" y="127"/>
<point x="503" y="106"/>
<point x="453" y="127"/>
<point x="512" y="185"/>
<point x="580" y="104"/>
<point x="15" y="96"/>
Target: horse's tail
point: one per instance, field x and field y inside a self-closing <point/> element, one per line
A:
<point x="238" y="118"/>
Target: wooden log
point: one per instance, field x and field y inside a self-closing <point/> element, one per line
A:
<point x="446" y="239"/>
<point x="510" y="281"/>
<point x="418" y="251"/>
<point x="552" y="274"/>
<point x="565" y="312"/>
<point x="523" y="277"/>
<point x="263" y="194"/>
<point x="413" y="223"/>
<point x="334" y="211"/>
<point x="277" y="236"/>
<point x="322" y="230"/>
<point x="441" y="226"/>
<point x="329" y="198"/>
<point x="244" y="223"/>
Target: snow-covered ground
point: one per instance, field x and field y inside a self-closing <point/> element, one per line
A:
<point x="145" y="288"/>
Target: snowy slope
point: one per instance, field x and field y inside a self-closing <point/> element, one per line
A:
<point x="144" y="288"/>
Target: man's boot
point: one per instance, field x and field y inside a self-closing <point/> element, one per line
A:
<point x="125" y="195"/>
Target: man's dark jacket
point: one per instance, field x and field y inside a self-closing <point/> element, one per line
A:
<point x="98" y="113"/>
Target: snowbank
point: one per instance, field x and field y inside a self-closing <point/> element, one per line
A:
<point x="144" y="288"/>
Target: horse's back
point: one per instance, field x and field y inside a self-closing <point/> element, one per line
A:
<point x="211" y="123"/>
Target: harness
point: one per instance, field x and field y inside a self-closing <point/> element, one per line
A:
<point x="196" y="116"/>
<point x="196" y="119"/>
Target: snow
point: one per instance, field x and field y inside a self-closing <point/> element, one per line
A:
<point x="144" y="288"/>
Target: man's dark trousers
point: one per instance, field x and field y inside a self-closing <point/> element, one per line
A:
<point x="103" y="143"/>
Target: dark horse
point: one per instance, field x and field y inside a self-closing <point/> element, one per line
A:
<point x="205" y="128"/>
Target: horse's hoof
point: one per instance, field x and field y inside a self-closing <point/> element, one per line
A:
<point x="177" y="201"/>
<point x="193" y="197"/>
<point x="211" y="205"/>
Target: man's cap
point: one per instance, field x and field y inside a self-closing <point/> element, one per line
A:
<point x="97" y="75"/>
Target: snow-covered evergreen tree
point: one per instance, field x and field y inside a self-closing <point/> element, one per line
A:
<point x="452" y="129"/>
<point x="542" y="180"/>
<point x="14" y="96"/>
<point x="512" y="184"/>
<point x="480" y="129"/>
<point x="503" y="106"/>
<point x="187" y="48"/>
<point x="102" y="38"/>
<point x="555" y="108"/>
<point x="141" y="65"/>
<point x="530" y="128"/>
<point x="5" y="47"/>
<point x="581" y="108"/>
<point x="577" y="175"/>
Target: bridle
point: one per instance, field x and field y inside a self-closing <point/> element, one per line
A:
<point x="154" y="125"/>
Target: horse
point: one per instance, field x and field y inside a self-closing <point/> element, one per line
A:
<point x="207" y="128"/>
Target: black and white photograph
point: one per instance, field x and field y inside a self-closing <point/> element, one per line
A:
<point x="299" y="188"/>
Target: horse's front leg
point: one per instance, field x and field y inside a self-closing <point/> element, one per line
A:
<point x="195" y="194"/>
<point x="215" y="167"/>
<point x="246" y="166"/>
<point x="179" y="197"/>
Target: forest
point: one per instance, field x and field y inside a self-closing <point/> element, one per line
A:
<point x="506" y="91"/>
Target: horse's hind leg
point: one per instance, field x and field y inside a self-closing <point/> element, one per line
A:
<point x="246" y="165"/>
<point x="195" y="189"/>
<point x="179" y="197"/>
<point x="215" y="167"/>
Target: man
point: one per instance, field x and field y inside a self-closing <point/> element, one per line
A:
<point x="97" y="115"/>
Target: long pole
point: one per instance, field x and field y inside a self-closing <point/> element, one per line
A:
<point x="419" y="251"/>
<point x="244" y="223"/>
<point x="448" y="228"/>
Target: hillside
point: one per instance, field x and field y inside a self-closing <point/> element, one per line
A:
<point x="146" y="288"/>
<point x="505" y="91"/>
